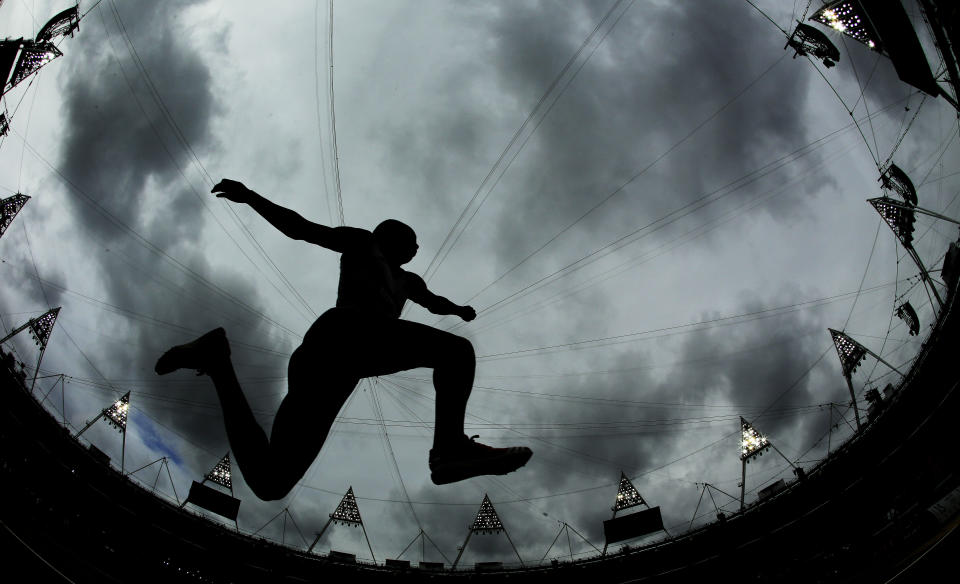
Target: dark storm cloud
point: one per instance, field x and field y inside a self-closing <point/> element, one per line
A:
<point x="28" y="284"/>
<point x="751" y="366"/>
<point x="761" y="367"/>
<point x="120" y="148"/>
<point x="117" y="137"/>
<point x="663" y="70"/>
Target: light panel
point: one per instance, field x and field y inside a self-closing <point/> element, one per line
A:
<point x="627" y="495"/>
<point x="347" y="511"/>
<point x="899" y="219"/>
<point x="9" y="208"/>
<point x="851" y="352"/>
<point x="850" y="19"/>
<point x="40" y="328"/>
<point x="32" y="57"/>
<point x="117" y="413"/>
<point x="752" y="443"/>
<point x="487" y="520"/>
<point x="221" y="473"/>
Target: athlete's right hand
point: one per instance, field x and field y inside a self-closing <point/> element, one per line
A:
<point x="232" y="190"/>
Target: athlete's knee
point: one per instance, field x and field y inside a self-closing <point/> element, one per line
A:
<point x="461" y="350"/>
<point x="271" y="488"/>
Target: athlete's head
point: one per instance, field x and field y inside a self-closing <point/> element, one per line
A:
<point x="397" y="241"/>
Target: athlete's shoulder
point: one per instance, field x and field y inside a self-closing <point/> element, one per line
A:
<point x="412" y="281"/>
<point x="352" y="239"/>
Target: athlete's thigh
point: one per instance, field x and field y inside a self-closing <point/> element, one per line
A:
<point x="314" y="397"/>
<point x="397" y="345"/>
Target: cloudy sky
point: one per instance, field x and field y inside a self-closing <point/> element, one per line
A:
<point x="655" y="209"/>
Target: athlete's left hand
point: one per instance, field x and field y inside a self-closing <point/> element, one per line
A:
<point x="232" y="190"/>
<point x="467" y="313"/>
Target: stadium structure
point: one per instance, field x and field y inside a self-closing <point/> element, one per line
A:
<point x="884" y="505"/>
<point x="888" y="497"/>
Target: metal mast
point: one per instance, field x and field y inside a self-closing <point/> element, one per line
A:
<point x="346" y="513"/>
<point x="486" y="522"/>
<point x="851" y="354"/>
<point x="40" y="329"/>
<point x="116" y="415"/>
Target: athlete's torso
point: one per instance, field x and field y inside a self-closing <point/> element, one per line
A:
<point x="369" y="284"/>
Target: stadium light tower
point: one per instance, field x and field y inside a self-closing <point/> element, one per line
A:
<point x="9" y="208"/>
<point x="486" y="522"/>
<point x="851" y="354"/>
<point x="40" y="329"/>
<point x="884" y="26"/>
<point x="637" y="524"/>
<point x="752" y="445"/>
<point x="33" y="56"/>
<point x="346" y="513"/>
<point x="900" y="217"/>
<point x="848" y="17"/>
<point x="116" y="415"/>
<point x="211" y="499"/>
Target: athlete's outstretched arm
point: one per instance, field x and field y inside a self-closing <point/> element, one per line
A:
<point x="288" y="222"/>
<point x="438" y="304"/>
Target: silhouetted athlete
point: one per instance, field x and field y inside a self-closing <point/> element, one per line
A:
<point x="363" y="336"/>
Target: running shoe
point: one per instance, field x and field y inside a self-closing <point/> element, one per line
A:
<point x="196" y="354"/>
<point x="470" y="458"/>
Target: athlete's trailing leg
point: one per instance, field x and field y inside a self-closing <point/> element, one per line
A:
<point x="271" y="468"/>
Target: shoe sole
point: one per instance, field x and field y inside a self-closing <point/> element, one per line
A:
<point x="500" y="465"/>
<point x="175" y="357"/>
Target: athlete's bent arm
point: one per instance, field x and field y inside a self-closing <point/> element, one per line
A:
<point x="437" y="304"/>
<point x="289" y="222"/>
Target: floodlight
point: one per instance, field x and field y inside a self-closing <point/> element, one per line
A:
<point x="117" y="413"/>
<point x="487" y="520"/>
<point x="347" y="511"/>
<point x="9" y="208"/>
<point x="851" y="352"/>
<point x="221" y="473"/>
<point x="848" y="17"/>
<point x="40" y="328"/>
<point x="899" y="219"/>
<point x="752" y="443"/>
<point x="627" y="495"/>
<point x="33" y="56"/>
